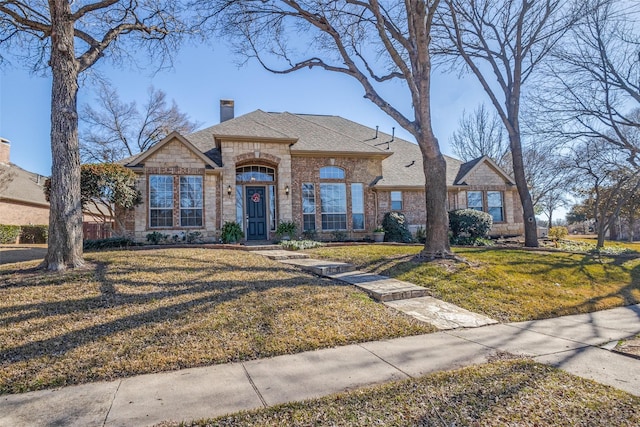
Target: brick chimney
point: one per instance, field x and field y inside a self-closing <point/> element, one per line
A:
<point x="226" y="110"/>
<point x="5" y="149"/>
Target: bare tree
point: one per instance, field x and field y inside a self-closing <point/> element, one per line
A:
<point x="592" y="87"/>
<point x="481" y="134"/>
<point x="372" y="41"/>
<point x="115" y="129"/>
<point x="502" y="42"/>
<point x="69" y="38"/>
<point x="606" y="180"/>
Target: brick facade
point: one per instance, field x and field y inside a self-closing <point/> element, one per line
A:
<point x="307" y="170"/>
<point x="178" y="157"/>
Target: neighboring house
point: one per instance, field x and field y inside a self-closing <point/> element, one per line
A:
<point x="325" y="173"/>
<point x="22" y="199"/>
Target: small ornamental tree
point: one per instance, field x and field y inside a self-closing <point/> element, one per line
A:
<point x="469" y="225"/>
<point x="105" y="187"/>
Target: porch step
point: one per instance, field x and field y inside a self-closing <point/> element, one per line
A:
<point x="280" y="254"/>
<point x="381" y="288"/>
<point x="321" y="268"/>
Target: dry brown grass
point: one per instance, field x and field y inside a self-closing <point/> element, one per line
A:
<point x="516" y="393"/>
<point x="133" y="312"/>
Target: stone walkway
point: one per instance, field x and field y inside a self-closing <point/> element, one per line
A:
<point x="403" y="296"/>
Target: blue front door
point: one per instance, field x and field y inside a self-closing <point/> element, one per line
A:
<point x="256" y="208"/>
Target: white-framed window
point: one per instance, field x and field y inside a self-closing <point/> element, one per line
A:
<point x="308" y="206"/>
<point x="191" y="201"/>
<point x="160" y="201"/>
<point x="474" y="200"/>
<point x="331" y="172"/>
<point x="494" y="205"/>
<point x="357" y="206"/>
<point x="396" y="200"/>
<point x="333" y="201"/>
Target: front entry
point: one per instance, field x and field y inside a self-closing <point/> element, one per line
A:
<point x="256" y="210"/>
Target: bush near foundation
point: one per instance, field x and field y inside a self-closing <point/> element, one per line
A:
<point x="469" y="225"/>
<point x="9" y="233"/>
<point x="395" y="227"/>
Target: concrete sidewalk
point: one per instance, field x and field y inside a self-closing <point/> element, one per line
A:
<point x="572" y="343"/>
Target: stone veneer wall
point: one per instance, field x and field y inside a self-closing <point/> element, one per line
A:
<point x="272" y="154"/>
<point x="175" y="159"/>
<point x="362" y="170"/>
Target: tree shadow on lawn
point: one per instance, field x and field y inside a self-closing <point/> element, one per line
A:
<point x="204" y="290"/>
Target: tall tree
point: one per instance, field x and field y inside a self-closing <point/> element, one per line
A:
<point x="592" y="87"/>
<point x="481" y="134"/>
<point x="502" y="42"/>
<point x="372" y="41"/>
<point x="114" y="129"/>
<point x="70" y="37"/>
<point x="606" y="181"/>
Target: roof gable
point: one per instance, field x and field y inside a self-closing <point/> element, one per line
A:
<point x="468" y="169"/>
<point x="173" y="136"/>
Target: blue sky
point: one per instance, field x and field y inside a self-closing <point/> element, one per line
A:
<point x="201" y="77"/>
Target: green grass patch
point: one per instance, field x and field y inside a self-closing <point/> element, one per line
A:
<point x="507" y="284"/>
<point x="134" y="312"/>
<point x="518" y="392"/>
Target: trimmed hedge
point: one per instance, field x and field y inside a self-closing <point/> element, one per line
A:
<point x="34" y="233"/>
<point x="112" y="242"/>
<point x="9" y="233"/>
<point x="395" y="228"/>
<point x="468" y="225"/>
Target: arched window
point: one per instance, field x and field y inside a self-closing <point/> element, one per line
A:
<point x="255" y="173"/>
<point x="331" y="172"/>
<point x="333" y="199"/>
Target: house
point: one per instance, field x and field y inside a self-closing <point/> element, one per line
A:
<point x="22" y="199"/>
<point x="325" y="173"/>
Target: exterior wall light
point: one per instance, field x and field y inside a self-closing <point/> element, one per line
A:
<point x="286" y="190"/>
<point x="229" y="191"/>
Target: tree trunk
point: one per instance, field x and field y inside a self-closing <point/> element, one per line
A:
<point x="65" y="216"/>
<point x="528" y="213"/>
<point x="632" y="221"/>
<point x="437" y="228"/>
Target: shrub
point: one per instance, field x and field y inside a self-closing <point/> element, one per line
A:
<point x="421" y="235"/>
<point x="310" y="235"/>
<point x="9" y="233"/>
<point x="231" y="232"/>
<point x="395" y="227"/>
<point x="557" y="233"/>
<point x="338" y="236"/>
<point x="34" y="233"/>
<point x="193" y="237"/>
<point x="469" y="223"/>
<point x="286" y="228"/>
<point x="156" y="237"/>
<point x="110" y="243"/>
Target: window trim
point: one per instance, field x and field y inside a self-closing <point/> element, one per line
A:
<point x="502" y="213"/>
<point x="200" y="208"/>
<point x="484" y="194"/>
<point x="360" y="192"/>
<point x="323" y="206"/>
<point x="151" y="208"/>
<point x="309" y="191"/>
<point x="401" y="201"/>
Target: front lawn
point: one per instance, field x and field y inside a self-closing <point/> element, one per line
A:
<point x="519" y="392"/>
<point x="507" y="284"/>
<point x="134" y="312"/>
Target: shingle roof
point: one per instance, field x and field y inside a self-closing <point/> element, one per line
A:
<point x="20" y="185"/>
<point x="311" y="133"/>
